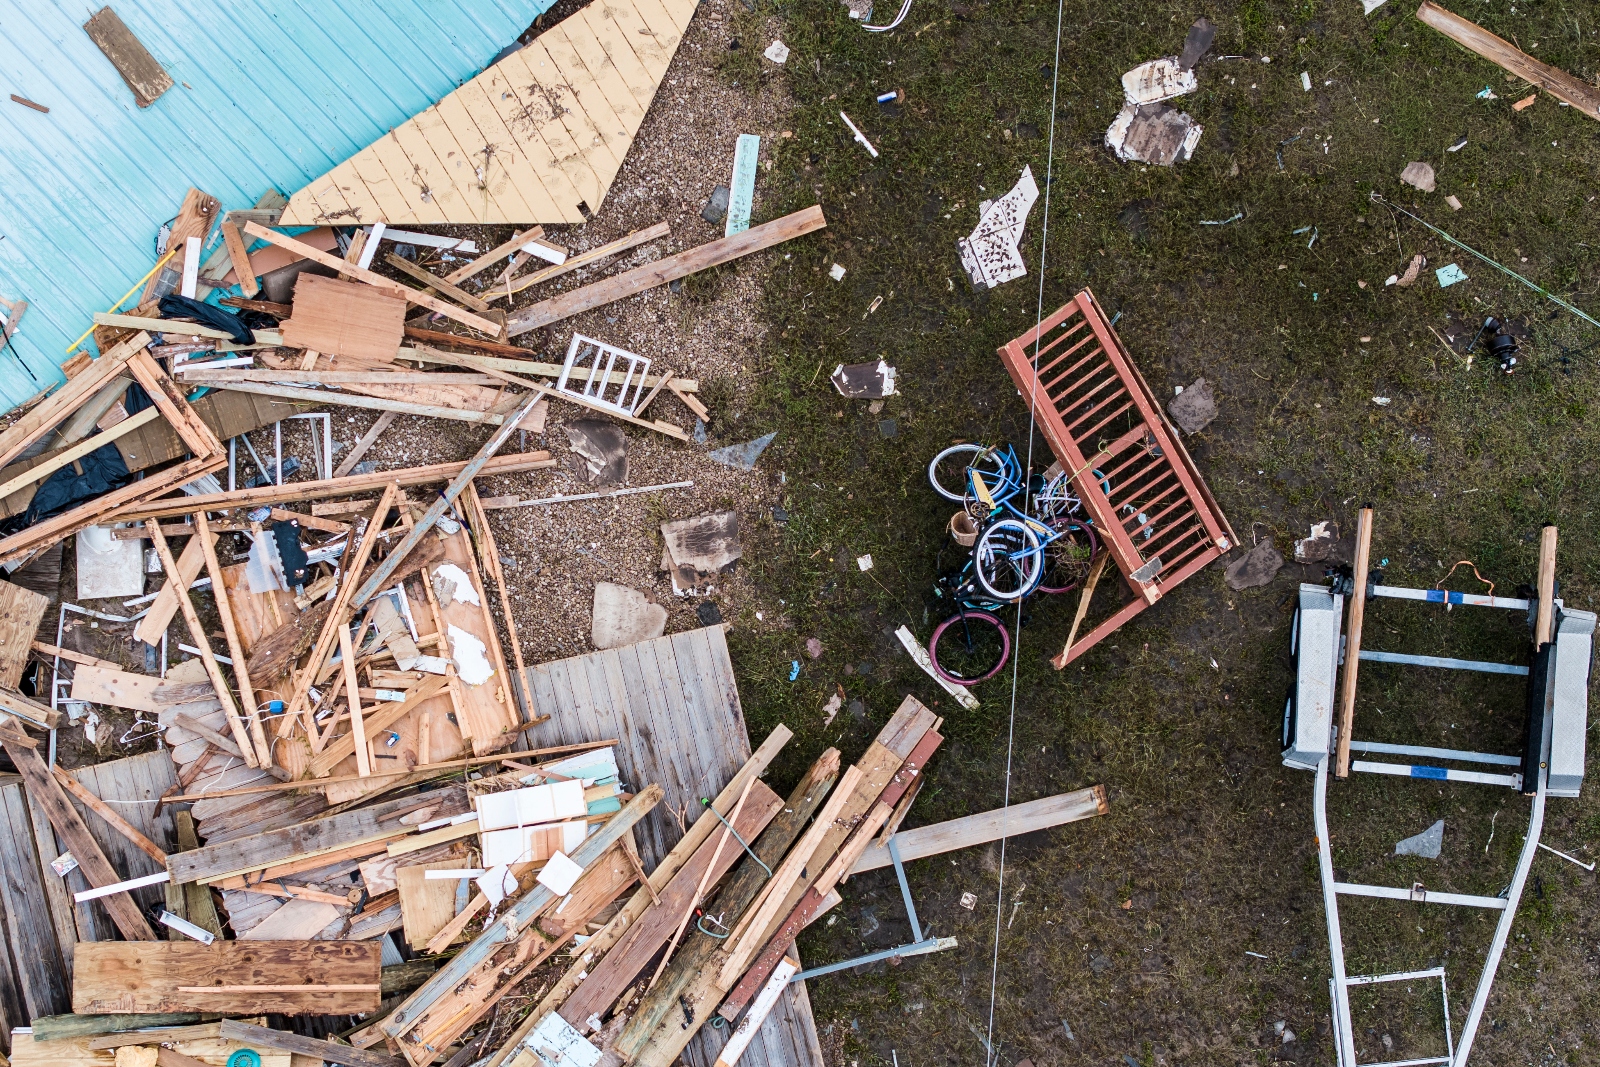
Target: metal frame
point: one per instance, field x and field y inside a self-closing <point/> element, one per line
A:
<point x="1314" y="692"/>
<point x="920" y="946"/>
<point x="596" y="377"/>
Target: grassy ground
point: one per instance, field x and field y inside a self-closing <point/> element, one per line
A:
<point x="1146" y="930"/>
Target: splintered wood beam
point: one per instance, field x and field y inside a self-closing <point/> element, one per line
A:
<point x="230" y="630"/>
<point x="367" y="440"/>
<point x="283" y="1041"/>
<point x="240" y="259"/>
<point x="352" y="694"/>
<point x="410" y="269"/>
<point x="665" y="270"/>
<point x="67" y="399"/>
<point x="1558" y="83"/>
<point x="74" y="833"/>
<point x="385" y="571"/>
<point x="432" y="303"/>
<point x="197" y="632"/>
<point x="494" y="255"/>
<point x="583" y="259"/>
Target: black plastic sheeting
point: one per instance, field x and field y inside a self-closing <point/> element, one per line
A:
<point x="209" y="314"/>
<point x="103" y="471"/>
<point x="295" y="562"/>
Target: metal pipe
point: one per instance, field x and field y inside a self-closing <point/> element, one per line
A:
<point x="1384" y="892"/>
<point x="1437" y="774"/>
<point x="1446" y="596"/>
<point x="1445" y="662"/>
<point x="1434" y="753"/>
<point x="921" y="948"/>
<point x="1344" y="1039"/>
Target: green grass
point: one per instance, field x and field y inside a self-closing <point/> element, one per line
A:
<point x="1209" y="836"/>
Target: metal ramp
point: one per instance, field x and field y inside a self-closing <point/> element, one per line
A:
<point x="1153" y="511"/>
<point x="1552" y="763"/>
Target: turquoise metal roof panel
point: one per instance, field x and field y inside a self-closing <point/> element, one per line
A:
<point x="267" y="94"/>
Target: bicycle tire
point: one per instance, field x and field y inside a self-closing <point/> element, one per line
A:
<point x="992" y="466"/>
<point x="968" y="675"/>
<point x="1067" y="558"/>
<point x="1008" y="560"/>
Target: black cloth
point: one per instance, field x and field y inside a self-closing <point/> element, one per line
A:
<point x="295" y="563"/>
<point x="209" y="314"/>
<point x="103" y="471"/>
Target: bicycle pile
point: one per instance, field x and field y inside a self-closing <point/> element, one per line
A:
<point x="1022" y="533"/>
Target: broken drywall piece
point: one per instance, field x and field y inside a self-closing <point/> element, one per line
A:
<point x="624" y="616"/>
<point x="1197" y="43"/>
<point x="778" y="52"/>
<point x="862" y="381"/>
<point x="1158" y="80"/>
<point x="264" y="567"/>
<point x="108" y="567"/>
<point x="1256" y="567"/>
<point x="742" y="456"/>
<point x="1419" y="176"/>
<point x="698" y="549"/>
<point x="468" y="654"/>
<point x="1194" y="408"/>
<point x="1153" y="133"/>
<point x="603" y="447"/>
<point x="460" y="585"/>
<point x="1426" y="845"/>
<point x="989" y="254"/>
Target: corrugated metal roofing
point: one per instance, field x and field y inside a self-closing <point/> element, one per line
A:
<point x="268" y="94"/>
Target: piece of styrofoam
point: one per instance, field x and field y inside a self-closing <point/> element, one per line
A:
<point x="560" y="874"/>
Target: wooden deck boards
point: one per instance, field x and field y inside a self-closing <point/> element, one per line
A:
<point x="674" y="708"/>
<point x="547" y="128"/>
<point x="41" y="983"/>
<point x="131" y="786"/>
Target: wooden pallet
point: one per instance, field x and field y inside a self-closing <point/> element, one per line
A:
<point x="1152" y="510"/>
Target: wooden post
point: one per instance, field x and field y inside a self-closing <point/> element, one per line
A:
<point x="230" y="630"/>
<point x="1544" y="621"/>
<point x="1558" y="83"/>
<point x="1352" y="648"/>
<point x="197" y="632"/>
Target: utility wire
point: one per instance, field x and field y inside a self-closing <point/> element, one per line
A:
<point x="991" y="1057"/>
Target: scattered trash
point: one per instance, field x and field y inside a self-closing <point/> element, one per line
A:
<point x="859" y="381"/>
<point x="1319" y="546"/>
<point x="1235" y="217"/>
<point x="698" y="549"/>
<point x="1487" y="93"/>
<point x="1197" y="43"/>
<point x="860" y="137"/>
<point x="742" y="456"/>
<point x="1369" y="6"/>
<point x="1418" y="175"/>
<point x="1305" y="81"/>
<point x="1426" y="844"/>
<point x="778" y="52"/>
<point x="64" y="864"/>
<point x="969" y="901"/>
<point x="716" y="208"/>
<point x="864" y="562"/>
<point x="1257" y="955"/>
<point x="1502" y="345"/>
<point x="831" y="708"/>
<point x="1255" y="568"/>
<point x="1455" y="204"/>
<point x="603" y="447"/>
<point x="1381" y="401"/>
<point x="1418" y="261"/>
<point x="990" y="254"/>
<point x="624" y="616"/>
<point x="1154" y="134"/>
<point x="836" y="272"/>
<point x="898" y="96"/>
<point x="1449" y="274"/>
<point x="1070" y="1035"/>
<point x="794" y="669"/>
<point x="813" y="648"/>
<point x="1458" y="146"/>
<point x="1525" y="103"/>
<point x="1158" y="80"/>
<point x="1194" y="407"/>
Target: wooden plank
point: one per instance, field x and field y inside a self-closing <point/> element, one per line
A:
<point x="113" y="976"/>
<point x="168" y="327"/>
<point x="352" y="696"/>
<point x="240" y="259"/>
<point x="1558" y="83"/>
<point x="197" y="634"/>
<point x="144" y="1036"/>
<point x="341" y="318"/>
<point x="21" y="611"/>
<point x="323" y="397"/>
<point x="112" y="818"/>
<point x="634" y="949"/>
<point x="38" y="421"/>
<point x="165" y="605"/>
<point x="1352" y="658"/>
<point x="1544" y="615"/>
<point x="42" y="971"/>
<point x="494" y="255"/>
<point x="381" y="577"/>
<point x="69" y="1027"/>
<point x="166" y="395"/>
<point x="71" y="455"/>
<point x="118" y="688"/>
<point x="262" y="1037"/>
<point x="980" y="829"/>
<point x="139" y="69"/>
<point x="298" y="920"/>
<point x="230" y="631"/>
<point x="466" y="318"/>
<point x="437" y="284"/>
<point x="366" y="442"/>
<point x="489" y="557"/>
<point x="407" y="478"/>
<point x="197" y="374"/>
<point x="29" y="711"/>
<point x="69" y="825"/>
<point x="425" y="905"/>
<point x="665" y="270"/>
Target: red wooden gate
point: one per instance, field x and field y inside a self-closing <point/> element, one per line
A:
<point x="1152" y="510"/>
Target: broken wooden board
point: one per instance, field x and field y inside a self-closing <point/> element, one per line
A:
<point x="296" y="920"/>
<point x="139" y="69"/>
<point x="190" y="563"/>
<point x="130" y="787"/>
<point x="426" y="904"/>
<point x="987" y="826"/>
<point x="489" y="712"/>
<point x="295" y="978"/>
<point x="1558" y="83"/>
<point x="20" y="613"/>
<point x="120" y="689"/>
<point x="537" y="137"/>
<point x="43" y="983"/>
<point x="341" y="318"/>
<point x="30" y="1051"/>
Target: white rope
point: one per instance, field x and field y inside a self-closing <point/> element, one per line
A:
<point x="905" y="9"/>
<point x="991" y="1058"/>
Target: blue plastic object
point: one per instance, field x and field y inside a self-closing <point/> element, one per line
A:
<point x="245" y="1057"/>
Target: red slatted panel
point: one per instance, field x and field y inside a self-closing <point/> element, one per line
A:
<point x="1106" y="428"/>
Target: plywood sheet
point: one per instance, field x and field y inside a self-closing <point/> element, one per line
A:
<point x="20" y="612"/>
<point x="101" y="685"/>
<point x="527" y="140"/>
<point x="426" y="906"/>
<point x="345" y="318"/>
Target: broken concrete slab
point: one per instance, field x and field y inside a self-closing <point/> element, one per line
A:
<point x="1427" y="844"/>
<point x="1194" y="408"/>
<point x="861" y="381"/>
<point x="1256" y="567"/>
<point x="742" y="456"/>
<point x="1153" y="133"/>
<point x="603" y="447"/>
<point x="624" y="616"/>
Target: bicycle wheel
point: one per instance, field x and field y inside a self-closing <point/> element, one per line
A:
<point x="949" y="469"/>
<point x="969" y="647"/>
<point x="1008" y="561"/>
<point x="1067" y="558"/>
